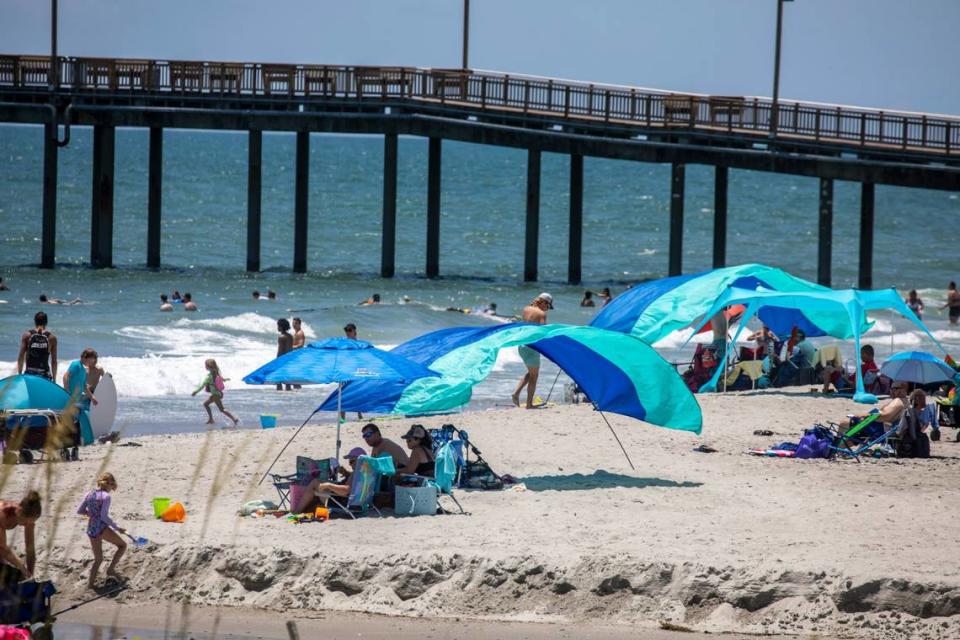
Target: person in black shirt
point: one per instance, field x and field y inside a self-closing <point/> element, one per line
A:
<point x="38" y="350"/>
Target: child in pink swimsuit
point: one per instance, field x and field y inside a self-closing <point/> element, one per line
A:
<point x="100" y="527"/>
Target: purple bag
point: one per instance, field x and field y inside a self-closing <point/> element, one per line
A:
<point x="813" y="447"/>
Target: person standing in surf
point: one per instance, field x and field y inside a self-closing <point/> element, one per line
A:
<point x="534" y="313"/>
<point x="953" y="302"/>
<point x="38" y="350"/>
<point x="299" y="338"/>
<point x="213" y="384"/>
<point x="284" y="343"/>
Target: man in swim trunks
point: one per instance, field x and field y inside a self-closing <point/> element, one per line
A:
<point x="38" y="350"/>
<point x="953" y="302"/>
<point x="534" y="313"/>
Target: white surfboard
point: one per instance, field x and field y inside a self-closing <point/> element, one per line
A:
<point x="104" y="412"/>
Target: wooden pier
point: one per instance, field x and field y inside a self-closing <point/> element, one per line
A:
<point x="829" y="142"/>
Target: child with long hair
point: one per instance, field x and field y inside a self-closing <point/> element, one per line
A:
<point x="213" y="384"/>
<point x="100" y="527"/>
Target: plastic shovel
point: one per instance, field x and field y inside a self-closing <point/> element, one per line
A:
<point x="137" y="542"/>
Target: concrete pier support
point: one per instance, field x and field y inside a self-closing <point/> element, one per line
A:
<point x="575" y="257"/>
<point x="720" y="217"/>
<point x="154" y="196"/>
<point x="101" y="231"/>
<point x="388" y="247"/>
<point x="866" y="235"/>
<point x="825" y="237"/>
<point x="433" y="208"/>
<point x="532" y="237"/>
<point x="677" y="176"/>
<point x="48" y="247"/>
<point x="254" y="190"/>
<point x="300" y="216"/>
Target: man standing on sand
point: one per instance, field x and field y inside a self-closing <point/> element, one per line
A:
<point x="534" y="313"/>
<point x="38" y="350"/>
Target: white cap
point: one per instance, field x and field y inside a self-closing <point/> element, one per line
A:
<point x="546" y="297"/>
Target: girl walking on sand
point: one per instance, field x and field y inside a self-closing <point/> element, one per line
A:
<point x="213" y="384"/>
<point x="96" y="506"/>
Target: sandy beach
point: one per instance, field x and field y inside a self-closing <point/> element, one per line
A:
<point x="714" y="542"/>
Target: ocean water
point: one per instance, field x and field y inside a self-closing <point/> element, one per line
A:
<point x="157" y="359"/>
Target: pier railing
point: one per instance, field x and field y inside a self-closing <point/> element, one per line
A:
<point x="490" y="92"/>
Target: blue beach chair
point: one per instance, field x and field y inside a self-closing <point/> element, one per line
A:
<point x="363" y="486"/>
<point x="844" y="444"/>
<point x="307" y="469"/>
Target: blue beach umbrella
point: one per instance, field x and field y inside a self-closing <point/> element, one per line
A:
<point x="917" y="366"/>
<point x="336" y="360"/>
<point x="31" y="392"/>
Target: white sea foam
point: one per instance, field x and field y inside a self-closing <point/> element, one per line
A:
<point x="249" y="322"/>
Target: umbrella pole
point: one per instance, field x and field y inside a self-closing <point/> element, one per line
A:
<point x="267" y="472"/>
<point x="609" y="426"/>
<point x="552" y="386"/>
<point x="339" y="415"/>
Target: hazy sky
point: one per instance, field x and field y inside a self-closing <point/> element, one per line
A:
<point x="897" y="54"/>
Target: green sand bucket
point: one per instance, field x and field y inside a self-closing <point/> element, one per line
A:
<point x="159" y="506"/>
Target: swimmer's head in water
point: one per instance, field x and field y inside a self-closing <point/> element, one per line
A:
<point x="163" y="297"/>
<point x="493" y="306"/>
<point x="256" y="294"/>
<point x="187" y="297"/>
<point x="283" y="325"/>
<point x="40" y="319"/>
<point x="43" y="297"/>
<point x="272" y="295"/>
<point x="376" y="297"/>
<point x="30" y="506"/>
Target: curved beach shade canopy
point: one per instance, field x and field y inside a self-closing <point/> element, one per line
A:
<point x="652" y="310"/>
<point x="619" y="373"/>
<point x="32" y="392"/>
<point x="840" y="313"/>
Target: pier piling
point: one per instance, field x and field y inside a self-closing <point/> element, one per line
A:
<point x="677" y="176"/>
<point x="388" y="248"/>
<point x="532" y="237"/>
<point x="48" y="249"/>
<point x="866" y="235"/>
<point x="254" y="183"/>
<point x="101" y="232"/>
<point x="825" y="236"/>
<point x="300" y="222"/>
<point x="433" y="208"/>
<point x="154" y="197"/>
<point x="720" y="217"/>
<point x="574" y="260"/>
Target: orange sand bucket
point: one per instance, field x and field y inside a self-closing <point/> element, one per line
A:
<point x="174" y="513"/>
<point x="322" y="513"/>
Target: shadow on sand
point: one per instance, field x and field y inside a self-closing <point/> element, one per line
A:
<point x="599" y="480"/>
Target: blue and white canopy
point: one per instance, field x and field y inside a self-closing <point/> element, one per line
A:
<point x="618" y="373"/>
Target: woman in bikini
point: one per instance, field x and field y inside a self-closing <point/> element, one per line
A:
<point x="421" y="452"/>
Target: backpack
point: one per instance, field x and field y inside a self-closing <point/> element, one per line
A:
<point x="218" y="383"/>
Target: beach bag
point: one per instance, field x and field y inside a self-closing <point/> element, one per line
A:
<point x="479" y="475"/>
<point x="218" y="383"/>
<point x="416" y="501"/>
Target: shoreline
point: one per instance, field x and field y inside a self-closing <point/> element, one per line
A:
<point x="719" y="542"/>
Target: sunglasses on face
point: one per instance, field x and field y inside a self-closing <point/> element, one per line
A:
<point x="367" y="435"/>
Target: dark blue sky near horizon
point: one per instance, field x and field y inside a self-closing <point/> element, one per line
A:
<point x="877" y="53"/>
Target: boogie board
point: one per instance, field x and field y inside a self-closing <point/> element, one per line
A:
<point x="104" y="412"/>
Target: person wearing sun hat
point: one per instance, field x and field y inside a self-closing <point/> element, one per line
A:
<point x="421" y="460"/>
<point x="534" y="313"/>
<point x="318" y="490"/>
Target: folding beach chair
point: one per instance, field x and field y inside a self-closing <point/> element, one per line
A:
<point x="445" y="435"/>
<point x="445" y="472"/>
<point x="308" y="469"/>
<point x="363" y="486"/>
<point x="844" y="442"/>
